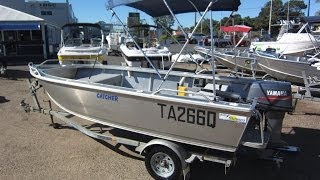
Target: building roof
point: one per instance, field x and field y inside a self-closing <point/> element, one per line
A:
<point x="11" y="15"/>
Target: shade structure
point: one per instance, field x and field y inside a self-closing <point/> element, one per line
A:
<point x="156" y="8"/>
<point x="236" y="28"/>
<point x="11" y="15"/>
<point x="310" y="19"/>
<point x="20" y="26"/>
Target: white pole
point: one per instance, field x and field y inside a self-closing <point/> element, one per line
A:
<point x="288" y="10"/>
<point x="212" y="59"/>
<point x="288" y="15"/>
<point x="270" y="16"/>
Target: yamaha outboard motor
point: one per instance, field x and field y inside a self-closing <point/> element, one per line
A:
<point x="274" y="99"/>
<point x="272" y="95"/>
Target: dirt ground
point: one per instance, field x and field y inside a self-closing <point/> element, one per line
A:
<point x="31" y="149"/>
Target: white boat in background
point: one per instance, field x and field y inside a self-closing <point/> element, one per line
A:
<point x="82" y="41"/>
<point x="114" y="40"/>
<point x="290" y="42"/>
<point x="159" y="56"/>
<point x="185" y="58"/>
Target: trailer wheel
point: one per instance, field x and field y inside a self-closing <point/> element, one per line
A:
<point x="223" y="45"/>
<point x="162" y="163"/>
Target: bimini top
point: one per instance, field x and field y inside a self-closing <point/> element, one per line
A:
<point x="236" y="28"/>
<point x="82" y="24"/>
<point x="156" y="8"/>
<point x="310" y="19"/>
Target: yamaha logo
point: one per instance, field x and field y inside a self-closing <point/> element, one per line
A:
<point x="276" y="93"/>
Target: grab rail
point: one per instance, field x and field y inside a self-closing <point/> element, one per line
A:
<point x="187" y="92"/>
<point x="33" y="69"/>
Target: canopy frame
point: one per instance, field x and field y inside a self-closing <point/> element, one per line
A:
<point x="208" y="7"/>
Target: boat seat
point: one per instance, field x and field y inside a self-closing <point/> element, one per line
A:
<point x="110" y="79"/>
<point x="222" y="91"/>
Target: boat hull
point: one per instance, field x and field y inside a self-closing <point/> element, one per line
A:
<point x="228" y="60"/>
<point x="242" y="63"/>
<point x="286" y="70"/>
<point x="138" y="61"/>
<point x="173" y="120"/>
<point x="161" y="58"/>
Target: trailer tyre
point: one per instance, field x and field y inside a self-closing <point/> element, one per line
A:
<point x="223" y="45"/>
<point x="162" y="163"/>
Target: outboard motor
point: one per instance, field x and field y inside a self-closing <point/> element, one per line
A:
<point x="274" y="100"/>
<point x="272" y="95"/>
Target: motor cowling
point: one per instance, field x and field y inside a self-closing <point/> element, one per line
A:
<point x="271" y="95"/>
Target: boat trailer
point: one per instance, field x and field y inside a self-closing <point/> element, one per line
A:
<point x="184" y="156"/>
<point x="307" y="91"/>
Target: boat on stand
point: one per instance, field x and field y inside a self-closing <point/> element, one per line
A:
<point x="243" y="61"/>
<point x="82" y="41"/>
<point x="178" y="110"/>
<point x="288" y="68"/>
<point x="302" y="71"/>
<point x="234" y="59"/>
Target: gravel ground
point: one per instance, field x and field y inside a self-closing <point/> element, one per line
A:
<point x="31" y="149"/>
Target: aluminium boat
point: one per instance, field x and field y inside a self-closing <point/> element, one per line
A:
<point x="243" y="61"/>
<point x="82" y="41"/>
<point x="288" y="68"/>
<point x="129" y="98"/>
<point x="176" y="109"/>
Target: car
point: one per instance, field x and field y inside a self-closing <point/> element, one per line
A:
<point x="180" y="38"/>
<point x="207" y="40"/>
<point x="195" y="38"/>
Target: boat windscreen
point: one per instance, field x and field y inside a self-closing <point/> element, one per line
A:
<point x="156" y="8"/>
<point x="81" y="35"/>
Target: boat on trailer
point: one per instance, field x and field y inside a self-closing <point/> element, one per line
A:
<point x="176" y="109"/>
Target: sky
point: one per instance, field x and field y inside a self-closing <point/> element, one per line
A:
<point x="94" y="11"/>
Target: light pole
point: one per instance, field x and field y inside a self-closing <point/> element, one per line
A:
<point x="288" y="15"/>
<point x="270" y="16"/>
<point x="288" y="11"/>
<point x="68" y="18"/>
<point x="309" y="8"/>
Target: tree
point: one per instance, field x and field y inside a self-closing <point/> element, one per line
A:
<point x="165" y="21"/>
<point x="318" y="12"/>
<point x="262" y="21"/>
<point x="205" y="26"/>
<point x="295" y="9"/>
<point x="248" y="21"/>
<point x="279" y="12"/>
